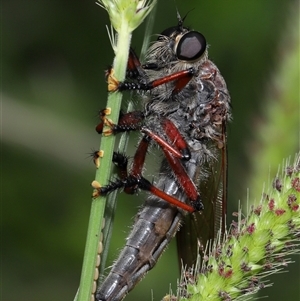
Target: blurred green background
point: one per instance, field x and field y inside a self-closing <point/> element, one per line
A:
<point x="53" y="58"/>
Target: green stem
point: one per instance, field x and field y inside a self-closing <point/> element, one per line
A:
<point x="104" y="171"/>
<point x="125" y="16"/>
<point x="111" y="206"/>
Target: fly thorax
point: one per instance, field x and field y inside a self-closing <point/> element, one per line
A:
<point x="161" y="107"/>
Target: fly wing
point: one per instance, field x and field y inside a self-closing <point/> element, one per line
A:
<point x="200" y="228"/>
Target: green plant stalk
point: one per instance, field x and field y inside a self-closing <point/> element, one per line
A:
<point x="103" y="172"/>
<point x="125" y="16"/>
<point x="111" y="204"/>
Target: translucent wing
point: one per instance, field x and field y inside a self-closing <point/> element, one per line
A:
<point x="200" y="228"/>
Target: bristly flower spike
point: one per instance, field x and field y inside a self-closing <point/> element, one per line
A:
<point x="254" y="248"/>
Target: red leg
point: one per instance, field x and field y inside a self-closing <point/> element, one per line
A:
<point x="138" y="163"/>
<point x="146" y="185"/>
<point x="134" y="67"/>
<point x="163" y="143"/>
<point x="127" y="122"/>
<point x="136" y="172"/>
<point x="183" y="178"/>
<point x="135" y="180"/>
<point x="180" y="148"/>
<point x="135" y="70"/>
<point x="181" y="78"/>
<point x="139" y="157"/>
<point x="173" y="156"/>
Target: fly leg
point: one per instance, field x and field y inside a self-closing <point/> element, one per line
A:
<point x="130" y="121"/>
<point x="134" y="71"/>
<point x="181" y="79"/>
<point x="180" y="151"/>
<point x="174" y="155"/>
<point x="137" y="71"/>
<point x="130" y="183"/>
<point x="134" y="68"/>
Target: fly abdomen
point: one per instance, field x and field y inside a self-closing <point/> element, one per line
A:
<point x="119" y="280"/>
<point x="156" y="224"/>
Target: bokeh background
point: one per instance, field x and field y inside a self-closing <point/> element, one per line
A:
<point x="54" y="54"/>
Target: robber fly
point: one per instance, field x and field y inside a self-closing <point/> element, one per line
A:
<point x="185" y="112"/>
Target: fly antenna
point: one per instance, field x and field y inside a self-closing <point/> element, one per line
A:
<point x="181" y="20"/>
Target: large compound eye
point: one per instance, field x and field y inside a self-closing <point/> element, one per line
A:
<point x="191" y="46"/>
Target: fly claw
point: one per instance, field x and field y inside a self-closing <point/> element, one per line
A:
<point x="105" y="190"/>
<point x="109" y="123"/>
<point x="113" y="83"/>
<point x="97" y="187"/>
<point x="96" y="155"/>
<point x="131" y="121"/>
<point x="105" y="122"/>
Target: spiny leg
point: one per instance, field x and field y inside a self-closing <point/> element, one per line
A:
<point x="130" y="121"/>
<point x="180" y="78"/>
<point x="135" y="180"/>
<point x="136" y="71"/>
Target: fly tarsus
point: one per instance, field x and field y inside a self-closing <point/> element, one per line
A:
<point x="180" y="79"/>
<point x="133" y="183"/>
<point x="124" y="86"/>
<point x="144" y="184"/>
<point x="130" y="121"/>
<point x="114" y="185"/>
<point x="120" y="160"/>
